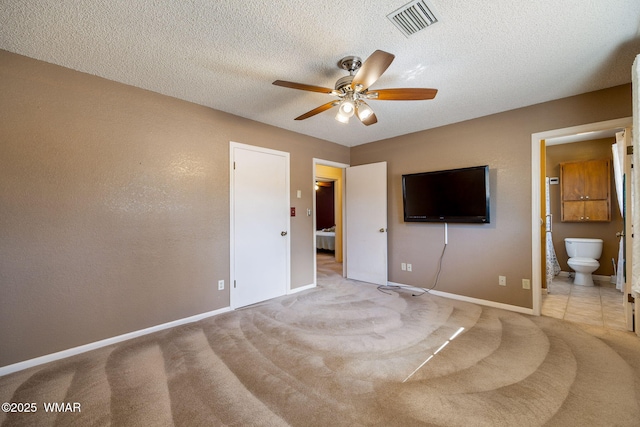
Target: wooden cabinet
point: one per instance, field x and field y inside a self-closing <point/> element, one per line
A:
<point x="585" y="191"/>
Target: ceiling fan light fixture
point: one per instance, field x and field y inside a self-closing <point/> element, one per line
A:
<point x="347" y="108"/>
<point x="364" y="111"/>
<point x="342" y="118"/>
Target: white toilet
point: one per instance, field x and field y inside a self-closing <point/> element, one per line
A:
<point x="583" y="258"/>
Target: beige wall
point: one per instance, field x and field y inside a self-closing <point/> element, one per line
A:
<point x="478" y="254"/>
<point x="114" y="206"/>
<point x="114" y="203"/>
<point x="580" y="151"/>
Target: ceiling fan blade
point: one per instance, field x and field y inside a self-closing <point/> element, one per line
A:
<point x="302" y="86"/>
<point x="371" y="70"/>
<point x="403" y="94"/>
<point x="365" y="114"/>
<point x="320" y="109"/>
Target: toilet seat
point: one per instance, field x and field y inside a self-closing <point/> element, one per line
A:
<point x="583" y="262"/>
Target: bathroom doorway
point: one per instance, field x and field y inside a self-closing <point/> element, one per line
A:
<point x="540" y="222"/>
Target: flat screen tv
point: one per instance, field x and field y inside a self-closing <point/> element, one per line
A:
<point x="455" y="195"/>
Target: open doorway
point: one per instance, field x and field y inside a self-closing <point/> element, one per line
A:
<point x="361" y="218"/>
<point x="328" y="216"/>
<point x="540" y="226"/>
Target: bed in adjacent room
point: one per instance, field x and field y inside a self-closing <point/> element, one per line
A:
<point x="326" y="240"/>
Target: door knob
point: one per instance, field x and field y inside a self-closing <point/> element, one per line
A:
<point x="381" y="230"/>
<point x="283" y="233"/>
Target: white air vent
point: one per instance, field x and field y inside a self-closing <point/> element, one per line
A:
<point x="413" y="17"/>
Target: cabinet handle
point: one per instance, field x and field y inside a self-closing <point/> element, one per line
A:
<point x="586" y="197"/>
<point x="581" y="197"/>
<point x="581" y="218"/>
<point x="587" y="218"/>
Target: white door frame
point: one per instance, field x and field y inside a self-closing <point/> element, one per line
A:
<point x="232" y="146"/>
<point x="628" y="233"/>
<point x="536" y="203"/>
<point x="344" y="231"/>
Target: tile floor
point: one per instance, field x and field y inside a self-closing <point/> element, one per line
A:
<point x="599" y="305"/>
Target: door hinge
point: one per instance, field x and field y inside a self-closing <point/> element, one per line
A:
<point x="234" y="165"/>
<point x="234" y="283"/>
<point x="630" y="298"/>
<point x="629" y="149"/>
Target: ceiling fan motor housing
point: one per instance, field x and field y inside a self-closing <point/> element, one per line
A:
<point x="350" y="63"/>
<point x="344" y="83"/>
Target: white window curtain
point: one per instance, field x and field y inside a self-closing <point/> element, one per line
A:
<point x="553" y="267"/>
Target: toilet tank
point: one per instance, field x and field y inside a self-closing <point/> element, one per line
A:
<point x="583" y="248"/>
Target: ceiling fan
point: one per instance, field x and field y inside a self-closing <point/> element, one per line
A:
<point x="353" y="90"/>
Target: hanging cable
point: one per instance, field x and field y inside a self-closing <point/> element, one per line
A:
<point x="435" y="282"/>
<point x="385" y="288"/>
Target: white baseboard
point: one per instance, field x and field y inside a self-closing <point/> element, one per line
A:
<point x="478" y="301"/>
<point x="9" y="369"/>
<point x="300" y="289"/>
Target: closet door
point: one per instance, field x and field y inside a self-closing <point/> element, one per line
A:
<point x="259" y="224"/>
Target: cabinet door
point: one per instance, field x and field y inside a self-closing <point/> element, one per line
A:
<point x="589" y="211"/>
<point x="572" y="181"/>
<point x="596" y="178"/>
<point x="572" y="211"/>
<point x="597" y="210"/>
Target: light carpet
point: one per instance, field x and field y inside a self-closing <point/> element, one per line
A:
<point x="346" y="354"/>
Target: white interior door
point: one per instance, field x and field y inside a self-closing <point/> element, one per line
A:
<point x="627" y="162"/>
<point x="366" y="223"/>
<point x="259" y="224"/>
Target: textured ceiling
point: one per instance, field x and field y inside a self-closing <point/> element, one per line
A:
<point x="483" y="56"/>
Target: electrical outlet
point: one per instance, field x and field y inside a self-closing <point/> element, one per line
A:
<point x="526" y="284"/>
<point x="403" y="266"/>
<point x="220" y="285"/>
<point x="502" y="280"/>
<point x="409" y="267"/>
